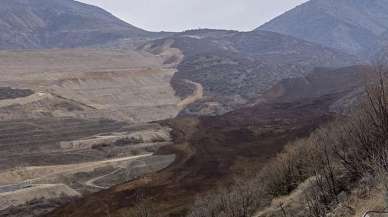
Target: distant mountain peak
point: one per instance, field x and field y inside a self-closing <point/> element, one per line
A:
<point x="355" y="26"/>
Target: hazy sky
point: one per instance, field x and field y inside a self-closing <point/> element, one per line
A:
<point x="178" y="15"/>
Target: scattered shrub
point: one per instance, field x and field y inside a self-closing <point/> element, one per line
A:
<point x="338" y="156"/>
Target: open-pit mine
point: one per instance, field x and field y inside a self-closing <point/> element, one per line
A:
<point x="72" y="122"/>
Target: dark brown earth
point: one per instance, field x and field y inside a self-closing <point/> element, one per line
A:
<point x="10" y="93"/>
<point x="210" y="152"/>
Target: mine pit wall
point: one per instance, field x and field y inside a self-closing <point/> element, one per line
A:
<point x="157" y="136"/>
<point x="86" y="96"/>
<point x="47" y="192"/>
<point x="14" y="187"/>
<point x="133" y="85"/>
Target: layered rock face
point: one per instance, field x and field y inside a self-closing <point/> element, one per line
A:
<point x="88" y="83"/>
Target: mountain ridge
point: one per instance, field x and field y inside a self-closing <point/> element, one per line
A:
<point x="355" y="26"/>
<point x="235" y="67"/>
<point x="30" y="24"/>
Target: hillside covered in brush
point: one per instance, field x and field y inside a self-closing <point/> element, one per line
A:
<point x="236" y="67"/>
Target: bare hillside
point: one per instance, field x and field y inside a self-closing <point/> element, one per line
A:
<point x="59" y="24"/>
<point x="88" y="83"/>
<point x="354" y="26"/>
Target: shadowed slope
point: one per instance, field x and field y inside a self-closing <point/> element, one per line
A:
<point x="355" y="26"/>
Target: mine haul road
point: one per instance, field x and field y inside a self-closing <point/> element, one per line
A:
<point x="78" y="167"/>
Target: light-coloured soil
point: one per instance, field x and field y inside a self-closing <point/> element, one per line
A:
<point x="91" y="182"/>
<point x="38" y="174"/>
<point x="25" y="100"/>
<point x="100" y="83"/>
<point x="139" y="137"/>
<point x="89" y="85"/>
<point x="46" y="182"/>
<point x="46" y="191"/>
<point x="195" y="96"/>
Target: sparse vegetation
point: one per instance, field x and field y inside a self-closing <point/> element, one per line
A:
<point x="203" y="123"/>
<point x="239" y="200"/>
<point x="339" y="157"/>
<point x="141" y="208"/>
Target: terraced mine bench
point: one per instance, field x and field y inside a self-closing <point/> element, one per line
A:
<point x="15" y="187"/>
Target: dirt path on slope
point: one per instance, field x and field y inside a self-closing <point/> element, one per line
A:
<point x="42" y="172"/>
<point x="197" y="95"/>
<point x="91" y="182"/>
<point x="24" y="100"/>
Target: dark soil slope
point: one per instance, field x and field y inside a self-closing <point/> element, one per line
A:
<point x="210" y="152"/>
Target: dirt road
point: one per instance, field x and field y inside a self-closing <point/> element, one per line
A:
<point x="197" y="95"/>
<point x="91" y="182"/>
<point x="71" y="168"/>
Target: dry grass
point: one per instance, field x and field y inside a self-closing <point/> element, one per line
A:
<point x="339" y="156"/>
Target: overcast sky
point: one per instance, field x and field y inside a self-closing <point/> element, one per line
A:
<point x="178" y="15"/>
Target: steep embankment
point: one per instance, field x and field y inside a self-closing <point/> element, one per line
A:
<point x="235" y="67"/>
<point x="350" y="81"/>
<point x="90" y="83"/>
<point x="194" y="97"/>
<point x="212" y="150"/>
